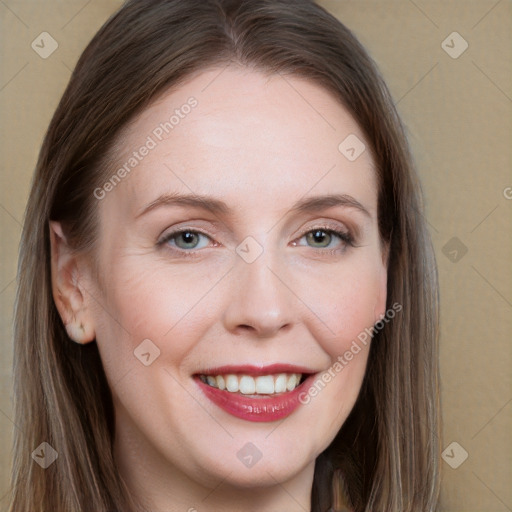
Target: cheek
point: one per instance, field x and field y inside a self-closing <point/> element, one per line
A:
<point x="152" y="302"/>
<point x="345" y="304"/>
<point x="344" y="300"/>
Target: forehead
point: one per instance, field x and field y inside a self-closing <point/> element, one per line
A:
<point x="246" y="136"/>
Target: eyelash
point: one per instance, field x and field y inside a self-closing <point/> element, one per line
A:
<point x="345" y="237"/>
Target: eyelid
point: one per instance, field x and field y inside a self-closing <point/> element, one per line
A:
<point x="168" y="235"/>
<point x="334" y="226"/>
<point x="347" y="236"/>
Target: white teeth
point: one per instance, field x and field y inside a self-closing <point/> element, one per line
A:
<point x="248" y="385"/>
<point x="280" y="385"/>
<point x="292" y="382"/>
<point x="265" y="385"/>
<point x="232" y="383"/>
<point x="221" y="384"/>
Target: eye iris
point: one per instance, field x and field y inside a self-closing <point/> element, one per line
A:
<point x="189" y="239"/>
<point x="319" y="237"/>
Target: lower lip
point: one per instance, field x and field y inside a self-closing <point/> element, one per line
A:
<point x="256" y="409"/>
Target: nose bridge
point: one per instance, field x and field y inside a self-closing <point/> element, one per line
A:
<point x="259" y="301"/>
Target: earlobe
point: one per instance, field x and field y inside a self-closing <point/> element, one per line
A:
<point x="67" y="292"/>
<point x="79" y="332"/>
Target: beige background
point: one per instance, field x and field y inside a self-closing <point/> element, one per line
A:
<point x="458" y="116"/>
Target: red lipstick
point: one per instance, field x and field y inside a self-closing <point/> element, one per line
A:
<point x="262" y="408"/>
<point x="251" y="369"/>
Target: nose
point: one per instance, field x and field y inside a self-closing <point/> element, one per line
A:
<point x="259" y="301"/>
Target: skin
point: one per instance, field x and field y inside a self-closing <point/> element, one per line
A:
<point x="259" y="144"/>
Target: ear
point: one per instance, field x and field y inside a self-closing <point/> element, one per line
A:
<point x="382" y="291"/>
<point x="68" y="292"/>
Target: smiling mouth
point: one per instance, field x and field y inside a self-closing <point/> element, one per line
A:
<point x="255" y="386"/>
<point x="254" y="392"/>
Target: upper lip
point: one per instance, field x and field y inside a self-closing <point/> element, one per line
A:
<point x="252" y="369"/>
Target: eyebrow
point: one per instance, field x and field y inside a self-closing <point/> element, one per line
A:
<point x="218" y="207"/>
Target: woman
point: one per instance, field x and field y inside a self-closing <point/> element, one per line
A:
<point x="227" y="296"/>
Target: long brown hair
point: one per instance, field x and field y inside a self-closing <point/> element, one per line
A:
<point x="386" y="455"/>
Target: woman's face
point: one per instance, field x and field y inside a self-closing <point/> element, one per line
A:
<point x="256" y="288"/>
